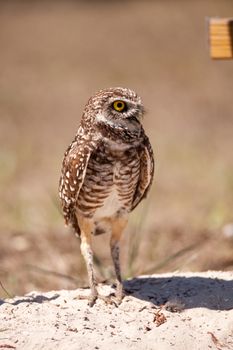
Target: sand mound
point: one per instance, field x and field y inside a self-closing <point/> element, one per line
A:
<point x="167" y="311"/>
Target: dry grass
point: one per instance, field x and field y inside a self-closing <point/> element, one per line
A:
<point x="54" y="55"/>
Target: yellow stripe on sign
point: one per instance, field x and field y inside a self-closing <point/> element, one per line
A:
<point x="221" y="38"/>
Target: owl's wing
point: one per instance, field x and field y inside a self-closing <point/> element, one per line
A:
<point x="73" y="173"/>
<point x="146" y="172"/>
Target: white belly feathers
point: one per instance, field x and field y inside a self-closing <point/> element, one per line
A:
<point x="110" y="205"/>
<point x="109" y="187"/>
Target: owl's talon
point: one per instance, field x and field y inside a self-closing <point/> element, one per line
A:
<point x="119" y="298"/>
<point x="92" y="300"/>
<point x="109" y="300"/>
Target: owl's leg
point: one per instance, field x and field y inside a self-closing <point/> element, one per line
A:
<point x="86" y="228"/>
<point x="118" y="226"/>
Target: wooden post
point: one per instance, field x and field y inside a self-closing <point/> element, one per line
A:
<point x="221" y="38"/>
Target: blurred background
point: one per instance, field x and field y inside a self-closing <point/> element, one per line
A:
<point x="53" y="56"/>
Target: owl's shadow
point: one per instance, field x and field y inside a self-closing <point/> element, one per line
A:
<point x="190" y="292"/>
<point x="38" y="299"/>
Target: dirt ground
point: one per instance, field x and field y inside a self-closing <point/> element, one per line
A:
<point x="166" y="311"/>
<point x="54" y="55"/>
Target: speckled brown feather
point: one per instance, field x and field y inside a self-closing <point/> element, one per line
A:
<point x="146" y="173"/>
<point x="107" y="170"/>
<point x="91" y="147"/>
<point x="73" y="173"/>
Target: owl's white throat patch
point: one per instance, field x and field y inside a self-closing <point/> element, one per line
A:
<point x="120" y="144"/>
<point x="102" y="119"/>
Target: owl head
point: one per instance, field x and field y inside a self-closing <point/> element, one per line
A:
<point x="116" y="113"/>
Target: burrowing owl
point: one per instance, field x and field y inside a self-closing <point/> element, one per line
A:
<point x="107" y="170"/>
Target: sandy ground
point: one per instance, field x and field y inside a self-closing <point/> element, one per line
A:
<point x="54" y="56"/>
<point x="167" y="311"/>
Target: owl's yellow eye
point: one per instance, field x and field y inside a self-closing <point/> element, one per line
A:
<point x="119" y="106"/>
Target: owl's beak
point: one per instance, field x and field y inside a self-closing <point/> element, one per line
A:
<point x="139" y="113"/>
<point x="134" y="119"/>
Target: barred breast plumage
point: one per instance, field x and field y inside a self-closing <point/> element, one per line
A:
<point x="112" y="177"/>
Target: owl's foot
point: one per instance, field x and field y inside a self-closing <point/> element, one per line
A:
<point x="91" y="298"/>
<point x="114" y="298"/>
<point x="111" y="299"/>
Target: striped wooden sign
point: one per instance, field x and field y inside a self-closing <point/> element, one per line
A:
<point x="221" y="38"/>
